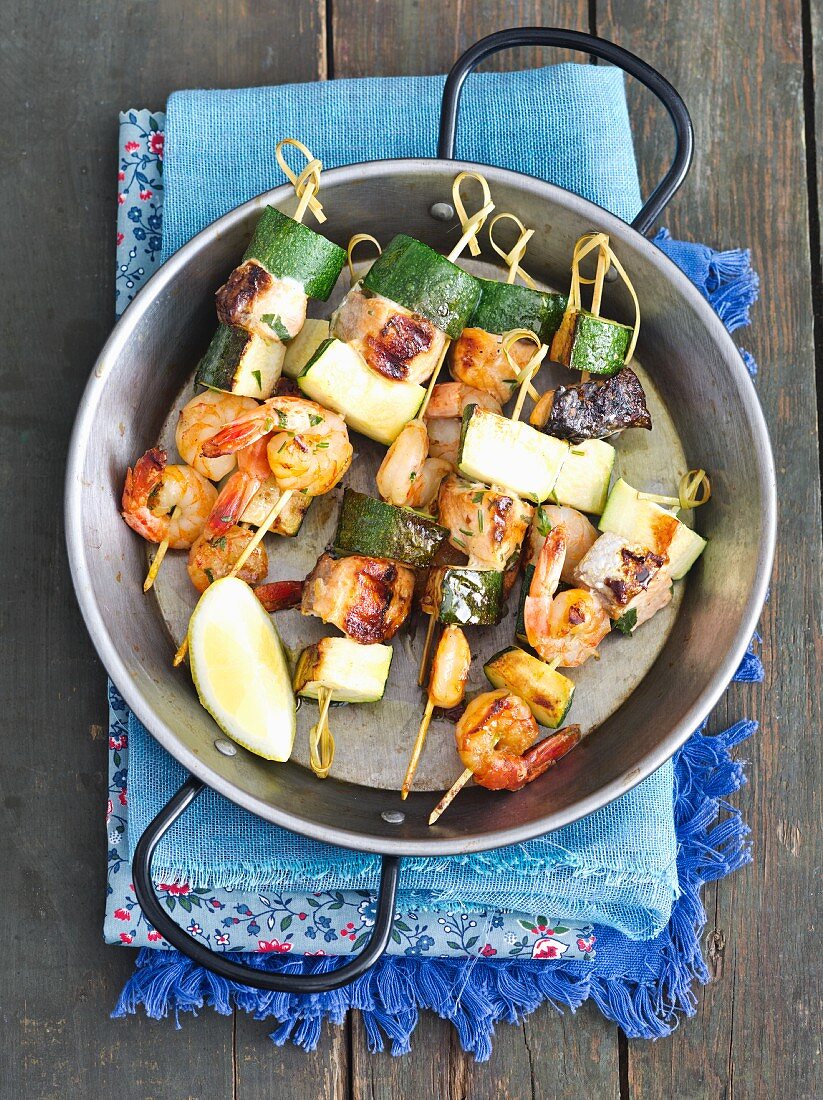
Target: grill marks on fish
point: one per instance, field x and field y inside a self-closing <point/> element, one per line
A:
<point x="397" y="343"/>
<point x="598" y="408"/>
<point x="369" y="599"/>
<point x="235" y="300"/>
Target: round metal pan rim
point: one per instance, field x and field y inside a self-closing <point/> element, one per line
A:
<point x="440" y="845"/>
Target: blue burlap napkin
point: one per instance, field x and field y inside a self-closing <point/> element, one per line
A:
<point x="219" y="153"/>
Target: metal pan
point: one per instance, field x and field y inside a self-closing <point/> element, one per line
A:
<point x="716" y="419"/>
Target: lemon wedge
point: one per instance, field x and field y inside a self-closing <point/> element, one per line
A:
<point x="240" y="671"/>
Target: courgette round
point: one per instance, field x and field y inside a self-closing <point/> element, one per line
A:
<point x="415" y="276"/>
<point x="288" y="249"/>
<point x="469" y="597"/>
<point x="588" y="343"/>
<point x="379" y="530"/>
<point x="503" y="307"/>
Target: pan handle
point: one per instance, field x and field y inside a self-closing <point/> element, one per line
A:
<point x="236" y="972"/>
<point x="599" y="47"/>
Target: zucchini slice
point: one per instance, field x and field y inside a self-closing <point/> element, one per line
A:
<point x="505" y="306"/>
<point x="510" y="454"/>
<point x="241" y="362"/>
<point x="288" y="249"/>
<point x="470" y="597"/>
<point x="337" y="377"/>
<point x="289" y="521"/>
<point x="354" y="673"/>
<point x="379" y="530"/>
<point x="583" y="481"/>
<point x="547" y="693"/>
<point x="589" y="343"/>
<point x="525" y="585"/>
<point x="648" y="524"/>
<point x="302" y="348"/>
<point x="415" y="276"/>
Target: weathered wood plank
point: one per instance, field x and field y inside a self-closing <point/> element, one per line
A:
<point x="262" y="1069"/>
<point x="550" y="1055"/>
<point x="740" y="69"/>
<point x="66" y="74"/>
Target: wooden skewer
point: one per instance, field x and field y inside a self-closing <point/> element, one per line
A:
<point x="418" y="748"/>
<point x="515" y="254"/>
<point x="421" y="412"/>
<point x="421" y="676"/>
<point x="471" y="225"/>
<point x="321" y="741"/>
<point x="267" y="523"/>
<point x="307" y="184"/>
<point x="154" y="568"/>
<point x="450" y="795"/>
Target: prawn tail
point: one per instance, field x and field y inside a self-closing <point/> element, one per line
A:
<point x="146" y="476"/>
<point x="540" y="757"/>
<point x="230" y="505"/>
<point x="280" y="595"/>
<point x="235" y="436"/>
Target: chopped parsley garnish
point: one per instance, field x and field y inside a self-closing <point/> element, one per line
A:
<point x="480" y="520"/>
<point x="210" y="575"/>
<point x="458" y="542"/>
<point x="543" y="523"/>
<point x="478" y="497"/>
<point x="221" y="543"/>
<point x="258" y="377"/>
<point x="322" y="446"/>
<point x="463" y="531"/>
<point x="577" y="451"/>
<point x="268" y="424"/>
<point x="225" y="519"/>
<point x="314" y="419"/>
<point x="275" y="323"/>
<point x="626" y="623"/>
<point x="282" y="419"/>
<point x="412" y="475"/>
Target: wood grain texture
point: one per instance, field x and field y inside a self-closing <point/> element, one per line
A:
<point x="549" y="1055"/>
<point x="65" y="74"/>
<point x="740" y="69"/>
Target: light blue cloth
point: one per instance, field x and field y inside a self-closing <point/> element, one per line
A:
<point x="567" y="124"/>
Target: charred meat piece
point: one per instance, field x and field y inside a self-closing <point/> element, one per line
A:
<point x="394" y="341"/>
<point x="595" y="409"/>
<point x="626" y="577"/>
<point x="488" y="526"/>
<point x="254" y="300"/>
<point x="367" y="598"/>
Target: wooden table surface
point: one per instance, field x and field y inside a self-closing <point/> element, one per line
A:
<point x="747" y="73"/>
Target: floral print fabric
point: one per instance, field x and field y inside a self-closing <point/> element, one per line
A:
<point x="335" y="922"/>
<point x="139" y="201"/>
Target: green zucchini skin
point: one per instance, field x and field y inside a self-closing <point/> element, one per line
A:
<point x="588" y="343"/>
<point x="503" y="307"/>
<point x="379" y="530"/>
<point x="230" y="359"/>
<point x="418" y="278"/>
<point x="547" y="693"/>
<point x="288" y="249"/>
<point x="467" y="597"/>
<point x="525" y="585"/>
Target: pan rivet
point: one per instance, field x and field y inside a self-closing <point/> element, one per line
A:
<point x="226" y="747"/>
<point x="393" y="817"/>
<point x="443" y="211"/>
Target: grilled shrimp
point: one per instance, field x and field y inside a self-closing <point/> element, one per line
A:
<point x="450" y="399"/>
<point x="496" y="740"/>
<point x="199" y="420"/>
<point x="162" y="502"/>
<point x="444" y="439"/>
<point x="210" y="560"/>
<point x="567" y="627"/>
<point x="477" y="359"/>
<point x="407" y="476"/>
<point x="488" y="526"/>
<point x="580" y="537"/>
<point x="394" y="341"/>
<point x="235" y="496"/>
<point x="450" y="669"/>
<point x="308" y="447"/>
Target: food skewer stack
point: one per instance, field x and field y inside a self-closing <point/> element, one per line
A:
<point x="470" y="496"/>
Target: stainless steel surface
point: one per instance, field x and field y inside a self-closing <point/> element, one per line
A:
<point x="709" y="395"/>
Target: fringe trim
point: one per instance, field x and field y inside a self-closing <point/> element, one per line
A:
<point x="477" y="994"/>
<point x="727" y="281"/>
